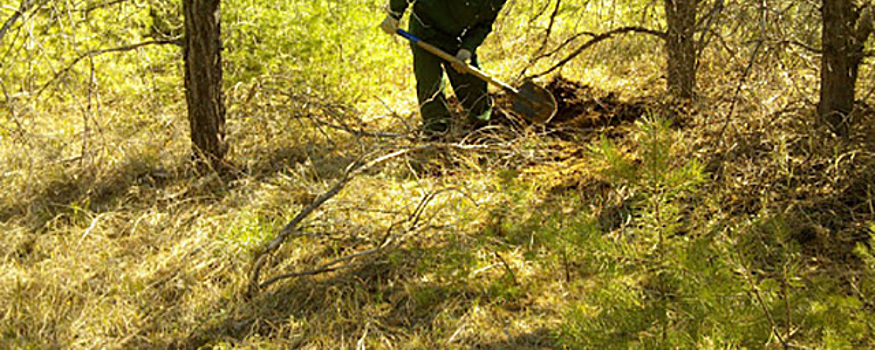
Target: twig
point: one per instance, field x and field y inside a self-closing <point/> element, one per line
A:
<point x="26" y="5"/>
<point x="597" y="39"/>
<point x="802" y="45"/>
<point x="704" y="39"/>
<point x="538" y="13"/>
<point x="358" y="132"/>
<point x="336" y="113"/>
<point x="539" y="51"/>
<point x="507" y="268"/>
<point x="91" y="8"/>
<point x="756" y="291"/>
<point x="12" y="114"/>
<point x="739" y="87"/>
<point x="330" y="266"/>
<point x="94" y="53"/>
<point x="564" y="44"/>
<point x="292" y="227"/>
<point x="321" y="270"/>
<point x="550" y="27"/>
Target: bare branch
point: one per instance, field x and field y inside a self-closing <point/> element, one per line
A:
<point x="801" y="45"/>
<point x="550" y="26"/>
<point x="26" y="5"/>
<point x="704" y="39"/>
<point x="745" y="272"/>
<point x="12" y="113"/>
<point x="292" y="227"/>
<point x="741" y="82"/>
<point x="597" y="39"/>
<point x="313" y="272"/>
<point x="412" y="227"/>
<point x="94" y="53"/>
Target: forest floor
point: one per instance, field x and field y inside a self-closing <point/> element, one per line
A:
<point x="624" y="222"/>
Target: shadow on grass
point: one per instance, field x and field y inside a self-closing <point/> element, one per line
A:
<point x="378" y="301"/>
<point x="308" y="310"/>
<point x="88" y="190"/>
<point x="138" y="182"/>
<point x="820" y="186"/>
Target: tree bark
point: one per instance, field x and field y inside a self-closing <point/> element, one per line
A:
<point x="203" y="79"/>
<point x="681" y="46"/>
<point x="843" y="39"/>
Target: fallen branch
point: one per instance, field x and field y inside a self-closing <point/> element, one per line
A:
<point x="290" y="228"/>
<point x="597" y="39"/>
<point x="106" y="4"/>
<point x="802" y="45"/>
<point x="414" y="226"/>
<point x="337" y="115"/>
<point x="21" y="132"/>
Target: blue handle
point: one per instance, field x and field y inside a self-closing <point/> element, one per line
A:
<point x="407" y="35"/>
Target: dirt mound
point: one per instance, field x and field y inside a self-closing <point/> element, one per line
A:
<point x="582" y="106"/>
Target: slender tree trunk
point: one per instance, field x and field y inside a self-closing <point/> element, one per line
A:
<point x="203" y="79"/>
<point x="681" y="46"/>
<point x="843" y="39"/>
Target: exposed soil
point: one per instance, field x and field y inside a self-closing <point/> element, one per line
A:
<point x="582" y="106"/>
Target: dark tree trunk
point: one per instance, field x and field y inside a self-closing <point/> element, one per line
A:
<point x="203" y="79"/>
<point x="681" y="46"/>
<point x="843" y="41"/>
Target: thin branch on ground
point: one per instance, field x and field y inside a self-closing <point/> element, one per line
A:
<point x="357" y="132"/>
<point x="106" y="4"/>
<point x="414" y="226"/>
<point x="291" y="228"/>
<point x="313" y="272"/>
<point x="338" y="115"/>
<point x="507" y="268"/>
<point x="21" y="134"/>
<point x="802" y="45"/>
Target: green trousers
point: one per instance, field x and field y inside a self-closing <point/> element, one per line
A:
<point x="429" y="71"/>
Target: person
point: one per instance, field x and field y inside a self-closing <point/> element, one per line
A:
<point x="454" y="26"/>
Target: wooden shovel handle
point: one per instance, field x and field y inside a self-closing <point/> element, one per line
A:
<point x="467" y="69"/>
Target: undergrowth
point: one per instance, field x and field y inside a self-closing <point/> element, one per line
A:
<point x="683" y="229"/>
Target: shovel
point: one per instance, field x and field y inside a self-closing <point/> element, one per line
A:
<point x="530" y="101"/>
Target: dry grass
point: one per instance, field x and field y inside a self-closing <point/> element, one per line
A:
<point x="132" y="250"/>
<point x="125" y="247"/>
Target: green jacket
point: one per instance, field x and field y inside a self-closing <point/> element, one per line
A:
<point x="469" y="21"/>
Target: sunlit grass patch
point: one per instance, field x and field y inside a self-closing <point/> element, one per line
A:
<point x="250" y="232"/>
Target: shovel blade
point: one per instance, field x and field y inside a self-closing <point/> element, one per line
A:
<point x="534" y="103"/>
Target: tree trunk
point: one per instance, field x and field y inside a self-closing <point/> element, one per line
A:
<point x="203" y="79"/>
<point x="843" y="41"/>
<point x="681" y="46"/>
